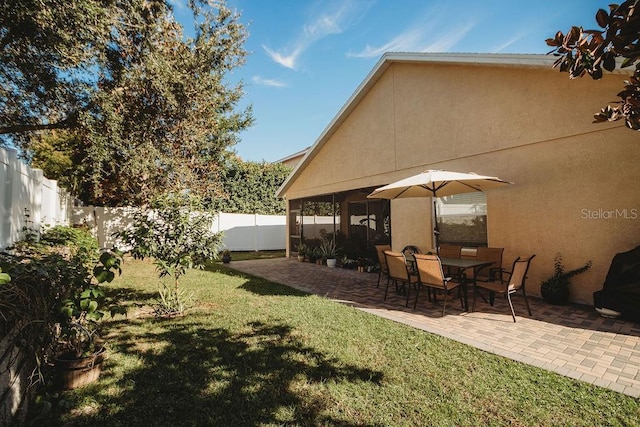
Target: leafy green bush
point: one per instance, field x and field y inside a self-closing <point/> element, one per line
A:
<point x="52" y="287"/>
<point x="78" y="239"/>
<point x="251" y="187"/>
<point x="30" y="301"/>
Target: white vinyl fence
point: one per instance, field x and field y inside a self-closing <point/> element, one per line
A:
<point x="242" y="232"/>
<point x="28" y="199"/>
<point x="247" y="232"/>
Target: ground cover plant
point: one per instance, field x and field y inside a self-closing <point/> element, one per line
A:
<point x="256" y="353"/>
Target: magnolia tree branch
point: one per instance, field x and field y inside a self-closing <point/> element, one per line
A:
<point x="590" y="52"/>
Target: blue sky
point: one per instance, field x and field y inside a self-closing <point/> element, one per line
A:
<point x="307" y="57"/>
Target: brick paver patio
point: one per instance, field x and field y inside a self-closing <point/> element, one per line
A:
<point x="571" y="340"/>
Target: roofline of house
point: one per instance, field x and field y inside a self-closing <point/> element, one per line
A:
<point x="293" y="156"/>
<point x="507" y="60"/>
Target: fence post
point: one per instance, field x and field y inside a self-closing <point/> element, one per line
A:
<point x="36" y="198"/>
<point x="8" y="175"/>
<point x="256" y="230"/>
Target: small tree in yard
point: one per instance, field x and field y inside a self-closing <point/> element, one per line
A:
<point x="176" y="232"/>
<point x="583" y="52"/>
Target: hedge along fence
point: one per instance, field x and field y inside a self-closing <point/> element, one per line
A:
<point x="242" y="232"/>
<point x="28" y="199"/>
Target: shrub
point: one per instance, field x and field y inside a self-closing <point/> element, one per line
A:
<point x="177" y="233"/>
<point x="78" y="239"/>
<point x="52" y="287"/>
<point x="31" y="301"/>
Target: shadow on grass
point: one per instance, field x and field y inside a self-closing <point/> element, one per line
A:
<point x="193" y="374"/>
<point x="258" y="285"/>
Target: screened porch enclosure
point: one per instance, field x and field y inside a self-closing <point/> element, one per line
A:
<point x="356" y="223"/>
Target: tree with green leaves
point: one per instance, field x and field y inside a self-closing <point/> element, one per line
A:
<point x="154" y="110"/>
<point x="583" y="52"/>
<point x="58" y="153"/>
<point x="47" y="49"/>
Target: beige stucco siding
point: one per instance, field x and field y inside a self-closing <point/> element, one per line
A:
<point x="576" y="184"/>
<point x="419" y="115"/>
<point x="558" y="187"/>
<point x="454" y="111"/>
<point x="411" y="223"/>
<point x="358" y="149"/>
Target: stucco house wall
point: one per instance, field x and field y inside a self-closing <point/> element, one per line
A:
<point x="575" y="185"/>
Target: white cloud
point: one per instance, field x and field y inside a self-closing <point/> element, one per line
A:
<point x="267" y="82"/>
<point x="448" y="40"/>
<point x="424" y="36"/>
<point x="179" y="4"/>
<point x="340" y="16"/>
<point x="288" y="61"/>
<point x="407" y="41"/>
<point x="508" y="43"/>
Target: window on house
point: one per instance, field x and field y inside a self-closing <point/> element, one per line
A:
<point x="462" y="219"/>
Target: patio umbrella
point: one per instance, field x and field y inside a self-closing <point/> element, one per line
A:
<point x="437" y="183"/>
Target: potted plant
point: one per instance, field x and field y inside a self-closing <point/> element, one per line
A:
<point x="78" y="355"/>
<point x="313" y="253"/>
<point x="302" y="251"/>
<point x="349" y="263"/>
<point x="363" y="264"/>
<point x="555" y="289"/>
<point x="329" y="252"/>
<point x="77" y="352"/>
<point x="52" y="304"/>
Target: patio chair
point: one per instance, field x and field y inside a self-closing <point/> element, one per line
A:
<point x="408" y="252"/>
<point x="450" y="251"/>
<point x="399" y="273"/>
<point x="487" y="274"/>
<point x="515" y="283"/>
<point x="430" y="275"/>
<point x="383" y="262"/>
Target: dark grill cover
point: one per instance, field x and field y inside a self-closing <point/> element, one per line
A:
<point x="621" y="289"/>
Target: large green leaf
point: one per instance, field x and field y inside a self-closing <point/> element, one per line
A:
<point x="4" y="278"/>
<point x="95" y="315"/>
<point x="108" y="260"/>
<point x="102" y="275"/>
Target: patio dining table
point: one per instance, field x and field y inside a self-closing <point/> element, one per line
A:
<point x="460" y="265"/>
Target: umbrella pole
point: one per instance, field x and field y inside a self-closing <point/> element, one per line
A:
<point x="436" y="231"/>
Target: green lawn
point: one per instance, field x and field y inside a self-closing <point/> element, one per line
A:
<point x="255" y="353"/>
